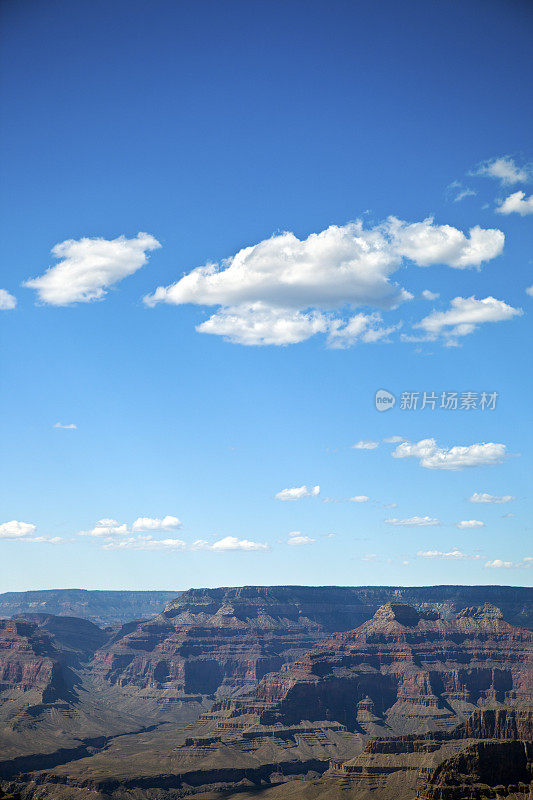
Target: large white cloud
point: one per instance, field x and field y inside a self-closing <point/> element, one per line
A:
<point x="7" y="300"/>
<point x="280" y="290"/>
<point x="454" y="458"/>
<point x="16" y="530"/>
<point x="484" y="497"/>
<point x="168" y="523"/>
<point x="505" y="170"/>
<point x="516" y="203"/>
<point x="88" y="267"/>
<point x="465" y="315"/>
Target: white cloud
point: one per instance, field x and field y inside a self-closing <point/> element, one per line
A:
<point x="505" y="170"/>
<point x="394" y="439"/>
<point x="526" y="563"/>
<point x="483" y="497"/>
<point x="297" y="492"/>
<point x="427" y="295"/>
<point x="470" y="523"/>
<point x="229" y="543"/>
<point x="145" y="543"/>
<point x="88" y="267"/>
<point x="7" y="300"/>
<point x="516" y="203"/>
<point x="415" y="522"/>
<point x="365" y="444"/>
<point x="168" y="523"/>
<point x="69" y="427"/>
<point x="359" y="498"/>
<point x="277" y="291"/>
<point x="465" y="315"/>
<point x="452" y="554"/>
<point x="369" y="557"/>
<point x="258" y="324"/>
<point x="16" y="529"/>
<point x="106" y="528"/>
<point x="454" y="458"/>
<point x="296" y="539"/>
<point x="498" y="564"/>
<point x="529" y="291"/>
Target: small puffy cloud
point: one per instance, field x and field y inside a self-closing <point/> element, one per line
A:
<point x="282" y="290"/>
<point x="470" y="523"/>
<point x="365" y="444"/>
<point x="297" y="493"/>
<point x="16" y="530"/>
<point x="526" y="563"/>
<point x="465" y="315"/>
<point x="516" y="203"/>
<point x="229" y="543"/>
<point x="88" y="267"/>
<point x="168" y="523"/>
<point x="454" y="555"/>
<point x="454" y="458"/>
<point x="394" y="439"/>
<point x="414" y="522"/>
<point x="106" y="528"/>
<point x="7" y="300"/>
<point x="296" y="538"/>
<point x="484" y="497"/>
<point x="427" y="295"/>
<point x="359" y="498"/>
<point x="505" y="170"/>
<point x="529" y="291"/>
<point x="68" y="427"/>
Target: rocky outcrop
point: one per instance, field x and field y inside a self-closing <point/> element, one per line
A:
<point x="28" y="661"/>
<point x="419" y="671"/>
<point x="482" y="770"/>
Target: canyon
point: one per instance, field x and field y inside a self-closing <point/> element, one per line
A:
<point x="302" y="690"/>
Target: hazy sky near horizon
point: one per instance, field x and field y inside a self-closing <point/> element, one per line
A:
<point x="226" y="225"/>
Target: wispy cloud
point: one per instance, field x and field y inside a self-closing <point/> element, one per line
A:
<point x="484" y="497"/>
<point x="459" y="457"/>
<point x="498" y="563"/>
<point x="453" y="555"/>
<point x="69" y="427"/>
<point x="414" y="522"/>
<point x="365" y="444"/>
<point x="359" y="498"/>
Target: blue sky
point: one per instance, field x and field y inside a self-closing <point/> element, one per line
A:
<point x="213" y="127"/>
